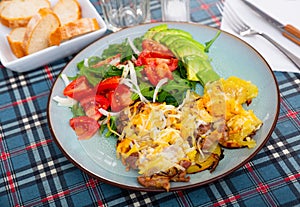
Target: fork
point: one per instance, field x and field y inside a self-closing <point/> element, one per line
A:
<point x="241" y="28"/>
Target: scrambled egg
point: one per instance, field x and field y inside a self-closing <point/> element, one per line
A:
<point x="161" y="136"/>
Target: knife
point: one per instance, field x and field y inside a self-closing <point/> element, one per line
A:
<point x="289" y="31"/>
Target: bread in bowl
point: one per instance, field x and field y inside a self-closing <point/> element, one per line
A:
<point x="73" y="29"/>
<point x="38" y="30"/>
<point x="17" y="13"/>
<point x="67" y="10"/>
<point x="15" y="40"/>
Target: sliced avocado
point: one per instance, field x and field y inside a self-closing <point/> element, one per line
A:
<point x="153" y="30"/>
<point x="159" y="27"/>
<point x="199" y="69"/>
<point x="207" y="74"/>
<point x="169" y="39"/>
<point x="179" y="43"/>
<point x="163" y="33"/>
<point x="188" y="50"/>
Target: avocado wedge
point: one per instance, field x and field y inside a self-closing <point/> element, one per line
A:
<point x="167" y="40"/>
<point x="199" y="69"/>
<point x="159" y="35"/>
<point x="184" y="50"/>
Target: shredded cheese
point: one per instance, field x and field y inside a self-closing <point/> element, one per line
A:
<point x="65" y="79"/>
<point x="86" y="62"/>
<point x="158" y="86"/>
<point x="108" y="113"/>
<point x="132" y="83"/>
<point x="68" y="102"/>
<point x="135" y="50"/>
<point x="163" y="135"/>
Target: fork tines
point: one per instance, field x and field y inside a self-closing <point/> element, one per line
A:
<point x="236" y="23"/>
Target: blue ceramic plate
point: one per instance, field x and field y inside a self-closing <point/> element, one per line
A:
<point x="230" y="57"/>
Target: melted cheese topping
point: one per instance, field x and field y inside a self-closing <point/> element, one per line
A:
<point x="164" y="135"/>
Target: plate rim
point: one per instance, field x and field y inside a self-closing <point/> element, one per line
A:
<point x="188" y="186"/>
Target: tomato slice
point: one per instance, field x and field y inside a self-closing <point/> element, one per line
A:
<point x="78" y="88"/>
<point x="157" y="72"/>
<point x="109" y="95"/>
<point x="84" y="126"/>
<point x="145" y="54"/>
<point x="148" y="55"/>
<point x="155" y="49"/>
<point x="121" y="98"/>
<point x="108" y="84"/>
<point x="172" y="62"/>
<point x="91" y="105"/>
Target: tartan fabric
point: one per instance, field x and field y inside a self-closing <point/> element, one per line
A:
<point x="34" y="172"/>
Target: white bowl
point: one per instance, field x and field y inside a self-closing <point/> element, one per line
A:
<point x="50" y="54"/>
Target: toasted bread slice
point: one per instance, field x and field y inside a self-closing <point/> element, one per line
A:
<point x="73" y="29"/>
<point x="15" y="40"/>
<point x="17" y="13"/>
<point x="3" y="4"/>
<point x="67" y="10"/>
<point x="39" y="29"/>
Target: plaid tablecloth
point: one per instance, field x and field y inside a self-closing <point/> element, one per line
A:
<point x="34" y="172"/>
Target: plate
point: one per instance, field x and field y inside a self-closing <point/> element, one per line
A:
<point x="230" y="56"/>
<point x="50" y="54"/>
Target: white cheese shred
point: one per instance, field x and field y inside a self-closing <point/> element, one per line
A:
<point x="133" y="76"/>
<point x="135" y="50"/>
<point x="115" y="61"/>
<point x="132" y="83"/>
<point x="158" y="86"/>
<point x="68" y="102"/>
<point x="65" y="79"/>
<point x="184" y="100"/>
<point x="125" y="71"/>
<point x="86" y="62"/>
<point x="108" y="113"/>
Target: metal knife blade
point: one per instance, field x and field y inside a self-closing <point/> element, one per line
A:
<point x="289" y="31"/>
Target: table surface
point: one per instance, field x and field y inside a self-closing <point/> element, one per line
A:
<point x="34" y="172"/>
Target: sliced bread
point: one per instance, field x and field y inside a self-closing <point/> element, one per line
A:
<point x="3" y="5"/>
<point x="17" y="13"/>
<point x="39" y="29"/>
<point x="15" y="40"/>
<point x="73" y="29"/>
<point x="67" y="10"/>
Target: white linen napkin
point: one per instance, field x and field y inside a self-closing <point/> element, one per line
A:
<point x="286" y="12"/>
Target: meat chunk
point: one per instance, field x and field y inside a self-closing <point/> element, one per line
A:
<point x="162" y="179"/>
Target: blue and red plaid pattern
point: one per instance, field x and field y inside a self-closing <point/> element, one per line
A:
<point x="34" y="172"/>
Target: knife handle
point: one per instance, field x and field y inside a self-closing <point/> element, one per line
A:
<point x="292" y="33"/>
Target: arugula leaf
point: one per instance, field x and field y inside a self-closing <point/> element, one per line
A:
<point x="119" y="48"/>
<point x="96" y="74"/>
<point x="138" y="43"/>
<point x="209" y="43"/>
<point x="77" y="110"/>
<point x="113" y="125"/>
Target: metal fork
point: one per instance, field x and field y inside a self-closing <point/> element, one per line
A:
<point x="241" y="28"/>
